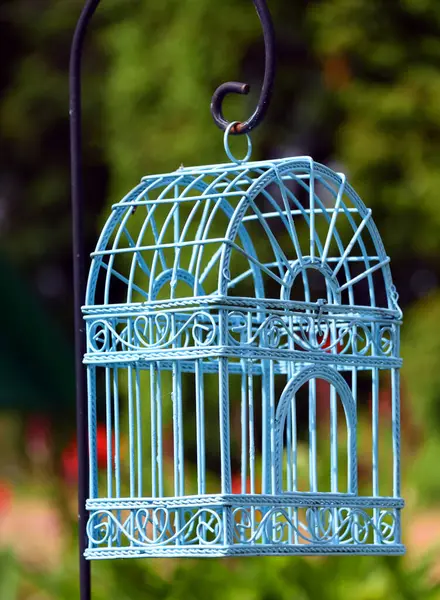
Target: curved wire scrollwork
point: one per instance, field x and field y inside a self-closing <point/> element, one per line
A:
<point x="320" y="525"/>
<point x="156" y="526"/>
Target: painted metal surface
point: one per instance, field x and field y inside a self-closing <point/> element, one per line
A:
<point x="245" y="300"/>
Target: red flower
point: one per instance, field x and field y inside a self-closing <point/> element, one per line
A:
<point x="236" y="484"/>
<point x="69" y="460"/>
<point x="101" y="446"/>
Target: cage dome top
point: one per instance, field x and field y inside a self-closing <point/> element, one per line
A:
<point x="289" y="230"/>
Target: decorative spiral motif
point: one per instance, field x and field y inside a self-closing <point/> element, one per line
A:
<point x="310" y="333"/>
<point x="98" y="336"/>
<point x="385" y="343"/>
<point x="293" y="331"/>
<point x="158" y="526"/>
<point x="321" y="525"/>
<point x="157" y="331"/>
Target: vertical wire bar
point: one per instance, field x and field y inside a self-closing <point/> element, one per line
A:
<point x="153" y="438"/>
<point x="272" y="425"/>
<point x="159" y="456"/>
<point x="250" y="390"/>
<point x="117" y="445"/>
<point x="375" y="441"/>
<point x="292" y="449"/>
<point x="272" y="476"/>
<point x="244" y="432"/>
<point x="139" y="432"/>
<point x="92" y="472"/>
<point x="251" y="439"/>
<point x="153" y="424"/>
<point x="176" y="449"/>
<point x="200" y="424"/>
<point x="117" y="433"/>
<point x="224" y="427"/>
<point x="333" y="425"/>
<point x="312" y="436"/>
<point x="294" y="464"/>
<point x="395" y="391"/>
<point x="180" y="431"/>
<point x="354" y="385"/>
<point x="131" y="431"/>
<point x="108" y="414"/>
<point x="266" y="437"/>
<point x="354" y="394"/>
<point x="334" y="452"/>
<point x="244" y="423"/>
<point x="289" y="484"/>
<point x="225" y="446"/>
<point x="265" y="418"/>
<point x="312" y="440"/>
<point x="177" y="376"/>
<point x="176" y="425"/>
<point x="334" y="475"/>
<point x="225" y="436"/>
<point x="288" y="469"/>
<point x="265" y="397"/>
<point x="93" y="459"/>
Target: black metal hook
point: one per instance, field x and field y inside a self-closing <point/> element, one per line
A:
<point x="235" y="87"/>
<point x="79" y="259"/>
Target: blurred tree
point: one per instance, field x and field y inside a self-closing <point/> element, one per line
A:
<point x="381" y="63"/>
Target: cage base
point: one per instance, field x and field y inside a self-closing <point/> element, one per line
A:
<point x="244" y="550"/>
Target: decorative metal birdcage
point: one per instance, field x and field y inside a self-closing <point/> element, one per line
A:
<point x="250" y="305"/>
<point x="259" y="287"/>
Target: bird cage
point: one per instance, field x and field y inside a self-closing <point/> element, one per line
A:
<point x="251" y="306"/>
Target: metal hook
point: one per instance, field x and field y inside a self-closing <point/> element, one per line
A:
<point x="79" y="285"/>
<point x="235" y="87"/>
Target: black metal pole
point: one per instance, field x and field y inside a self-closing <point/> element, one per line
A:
<point x="79" y="285"/>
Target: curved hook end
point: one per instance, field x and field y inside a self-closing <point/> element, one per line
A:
<point x="230" y="87"/>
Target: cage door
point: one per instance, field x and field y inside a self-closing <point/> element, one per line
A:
<point x="297" y="433"/>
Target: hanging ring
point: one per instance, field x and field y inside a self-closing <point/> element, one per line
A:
<point x="235" y="87"/>
<point x="229" y="154"/>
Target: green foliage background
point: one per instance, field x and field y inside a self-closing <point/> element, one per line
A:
<point x="358" y="86"/>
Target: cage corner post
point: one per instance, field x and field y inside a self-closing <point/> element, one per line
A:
<point x="78" y="248"/>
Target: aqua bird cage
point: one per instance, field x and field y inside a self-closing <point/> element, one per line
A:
<point x="245" y="300"/>
<point x="241" y="351"/>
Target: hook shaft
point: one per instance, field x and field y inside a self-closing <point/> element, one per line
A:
<point x="79" y="285"/>
<point x="235" y="87"/>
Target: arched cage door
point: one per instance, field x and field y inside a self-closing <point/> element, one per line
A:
<point x="311" y="456"/>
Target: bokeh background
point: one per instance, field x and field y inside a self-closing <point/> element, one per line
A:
<point x="358" y="88"/>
